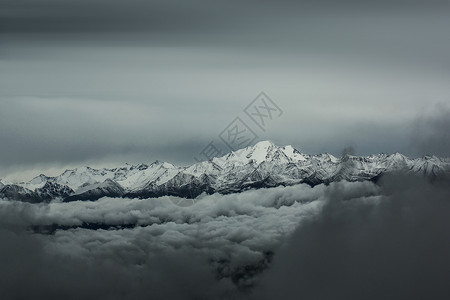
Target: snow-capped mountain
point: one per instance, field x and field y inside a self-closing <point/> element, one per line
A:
<point x="261" y="165"/>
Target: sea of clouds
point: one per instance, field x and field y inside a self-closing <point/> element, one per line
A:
<point x="345" y="240"/>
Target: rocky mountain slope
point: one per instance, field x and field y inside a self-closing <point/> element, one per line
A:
<point x="261" y="165"/>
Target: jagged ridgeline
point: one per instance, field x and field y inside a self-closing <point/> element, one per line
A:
<point x="261" y="165"/>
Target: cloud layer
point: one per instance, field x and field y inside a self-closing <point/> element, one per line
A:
<point x="212" y="249"/>
<point x="345" y="241"/>
<point x="394" y="248"/>
<point x="109" y="81"/>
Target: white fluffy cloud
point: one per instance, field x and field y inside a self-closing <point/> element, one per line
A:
<point x="219" y="248"/>
<point x="236" y="226"/>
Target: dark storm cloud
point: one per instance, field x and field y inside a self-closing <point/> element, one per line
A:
<point x="172" y="258"/>
<point x="348" y="150"/>
<point x="347" y="72"/>
<point x="158" y="16"/>
<point x="354" y="240"/>
<point x="431" y="132"/>
<point x="101" y="16"/>
<point x="396" y="248"/>
<point x="28" y="271"/>
<point x="69" y="131"/>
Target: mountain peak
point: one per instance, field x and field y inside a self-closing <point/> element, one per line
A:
<point x="236" y="171"/>
<point x="263" y="151"/>
<point x="264" y="144"/>
<point x="39" y="178"/>
<point x="257" y="153"/>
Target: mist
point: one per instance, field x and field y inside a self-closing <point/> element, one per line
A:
<point x="345" y="240"/>
<point x="103" y="83"/>
<point x="86" y="82"/>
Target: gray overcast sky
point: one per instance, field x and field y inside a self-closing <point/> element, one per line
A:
<point x="107" y="82"/>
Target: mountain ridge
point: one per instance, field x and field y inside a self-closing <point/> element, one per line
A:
<point x="261" y="165"/>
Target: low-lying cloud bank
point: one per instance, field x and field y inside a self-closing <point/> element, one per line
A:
<point x="342" y="241"/>
<point x="395" y="248"/>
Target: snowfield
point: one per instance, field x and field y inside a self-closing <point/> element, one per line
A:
<point x="261" y="165"/>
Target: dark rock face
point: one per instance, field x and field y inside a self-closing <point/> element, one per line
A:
<point x="15" y="192"/>
<point x="51" y="190"/>
<point x="261" y="166"/>
<point x="109" y="188"/>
